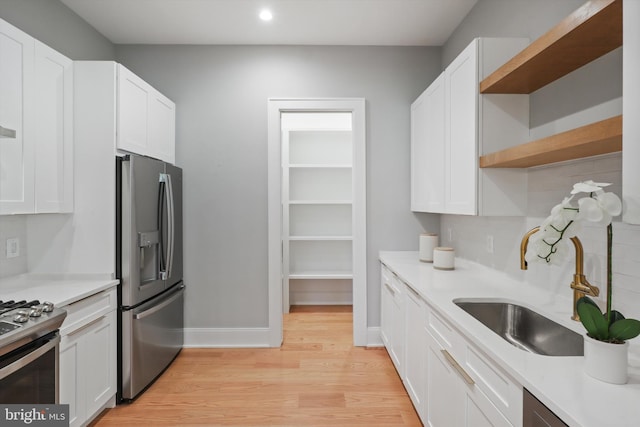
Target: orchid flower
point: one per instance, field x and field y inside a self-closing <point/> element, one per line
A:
<point x="599" y="206"/>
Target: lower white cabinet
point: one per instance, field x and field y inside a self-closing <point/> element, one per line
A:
<point x="88" y="356"/>
<point x="392" y="318"/>
<point x="455" y="397"/>
<point x="415" y="350"/>
<point x="451" y="383"/>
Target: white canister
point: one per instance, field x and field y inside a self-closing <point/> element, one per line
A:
<point x="443" y="258"/>
<point x="428" y="242"/>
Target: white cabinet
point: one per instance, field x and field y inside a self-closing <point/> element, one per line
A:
<point x="36" y="107"/>
<point x="450" y="382"/>
<point x="631" y="108"/>
<point x="415" y="349"/>
<point x="54" y="131"/>
<point x="146" y="118"/>
<point x="428" y="149"/>
<point x="452" y="125"/>
<point x="464" y="388"/>
<point x="393" y="318"/>
<point x="88" y="356"/>
<point x="17" y="114"/>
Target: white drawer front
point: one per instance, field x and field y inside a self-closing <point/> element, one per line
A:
<point x="505" y="394"/>
<point x="81" y="312"/>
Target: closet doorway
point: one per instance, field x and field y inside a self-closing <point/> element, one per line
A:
<point x="317" y="208"/>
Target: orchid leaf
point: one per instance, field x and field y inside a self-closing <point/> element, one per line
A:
<point x="615" y="316"/>
<point x="592" y="319"/>
<point x="625" y="329"/>
<point x="588" y="301"/>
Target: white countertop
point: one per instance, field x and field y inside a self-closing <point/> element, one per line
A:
<point x="57" y="288"/>
<point x="558" y="382"/>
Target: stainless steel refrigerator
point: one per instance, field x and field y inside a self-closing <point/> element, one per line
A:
<point x="149" y="265"/>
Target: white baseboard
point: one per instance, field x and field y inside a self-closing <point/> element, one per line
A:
<point x="226" y="337"/>
<point x="373" y="337"/>
<point x="247" y="337"/>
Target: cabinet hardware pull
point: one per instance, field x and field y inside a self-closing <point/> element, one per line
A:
<point x="7" y="133"/>
<point x="413" y="291"/>
<point x="455" y="365"/>
<point x="391" y="289"/>
<point x="85" y="326"/>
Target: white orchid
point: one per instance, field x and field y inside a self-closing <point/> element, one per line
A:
<point x="548" y="245"/>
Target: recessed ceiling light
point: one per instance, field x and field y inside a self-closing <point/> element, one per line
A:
<point x="266" y="15"/>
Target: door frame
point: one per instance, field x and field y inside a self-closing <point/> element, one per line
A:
<point x="277" y="106"/>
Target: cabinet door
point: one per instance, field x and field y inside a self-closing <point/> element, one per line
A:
<point x="16" y="114"/>
<point x="133" y="113"/>
<point x="397" y="330"/>
<point x="100" y="341"/>
<point x="162" y="128"/>
<point x="54" y="131"/>
<point x="415" y="350"/>
<point x="386" y="303"/>
<point x="446" y="396"/>
<point x="427" y="149"/>
<point x="71" y="377"/>
<point x="631" y="108"/>
<point x="461" y="153"/>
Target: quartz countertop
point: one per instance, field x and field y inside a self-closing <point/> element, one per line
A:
<point x="60" y="289"/>
<point x="558" y="382"/>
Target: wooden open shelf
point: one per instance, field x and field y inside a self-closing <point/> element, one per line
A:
<point x="602" y="137"/>
<point x="588" y="33"/>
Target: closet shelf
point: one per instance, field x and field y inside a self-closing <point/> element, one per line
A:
<point x="320" y="202"/>
<point x="321" y="238"/>
<point x="323" y="275"/>
<point x="602" y="137"/>
<point x="589" y="32"/>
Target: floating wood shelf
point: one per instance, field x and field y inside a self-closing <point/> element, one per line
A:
<point x="588" y="33"/>
<point x="602" y="137"/>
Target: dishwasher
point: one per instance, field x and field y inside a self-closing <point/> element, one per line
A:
<point x="535" y="414"/>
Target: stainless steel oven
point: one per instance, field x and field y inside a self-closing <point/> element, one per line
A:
<point x="29" y="356"/>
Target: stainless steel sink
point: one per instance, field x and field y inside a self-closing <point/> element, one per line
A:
<point x="524" y="328"/>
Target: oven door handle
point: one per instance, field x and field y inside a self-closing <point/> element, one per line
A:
<point x="28" y="358"/>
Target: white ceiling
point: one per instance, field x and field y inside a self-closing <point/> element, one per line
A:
<point x="303" y="22"/>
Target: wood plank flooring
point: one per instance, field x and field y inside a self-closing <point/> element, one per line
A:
<point x="317" y="378"/>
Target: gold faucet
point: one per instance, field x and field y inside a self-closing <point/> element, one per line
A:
<point x="580" y="284"/>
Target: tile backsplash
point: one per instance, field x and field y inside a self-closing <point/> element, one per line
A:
<point x="11" y="227"/>
<point x="547" y="187"/>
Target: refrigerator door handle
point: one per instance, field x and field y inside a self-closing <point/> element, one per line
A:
<point x="166" y="179"/>
<point x="161" y="305"/>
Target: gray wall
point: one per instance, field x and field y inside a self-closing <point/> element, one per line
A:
<point x="57" y="26"/>
<point x="221" y="94"/>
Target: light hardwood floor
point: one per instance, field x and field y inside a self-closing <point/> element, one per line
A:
<point x="317" y="378"/>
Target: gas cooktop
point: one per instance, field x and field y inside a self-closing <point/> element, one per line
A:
<point x="24" y="321"/>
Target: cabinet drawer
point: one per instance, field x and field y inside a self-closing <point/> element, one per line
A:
<point x="88" y="309"/>
<point x="495" y="384"/>
<point x="444" y="334"/>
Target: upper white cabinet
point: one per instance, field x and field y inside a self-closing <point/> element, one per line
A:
<point x="631" y="109"/>
<point x="427" y="160"/>
<point x="36" y="115"/>
<point x="54" y="131"/>
<point x="17" y="118"/>
<point x="146" y="118"/>
<point x="452" y="125"/>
